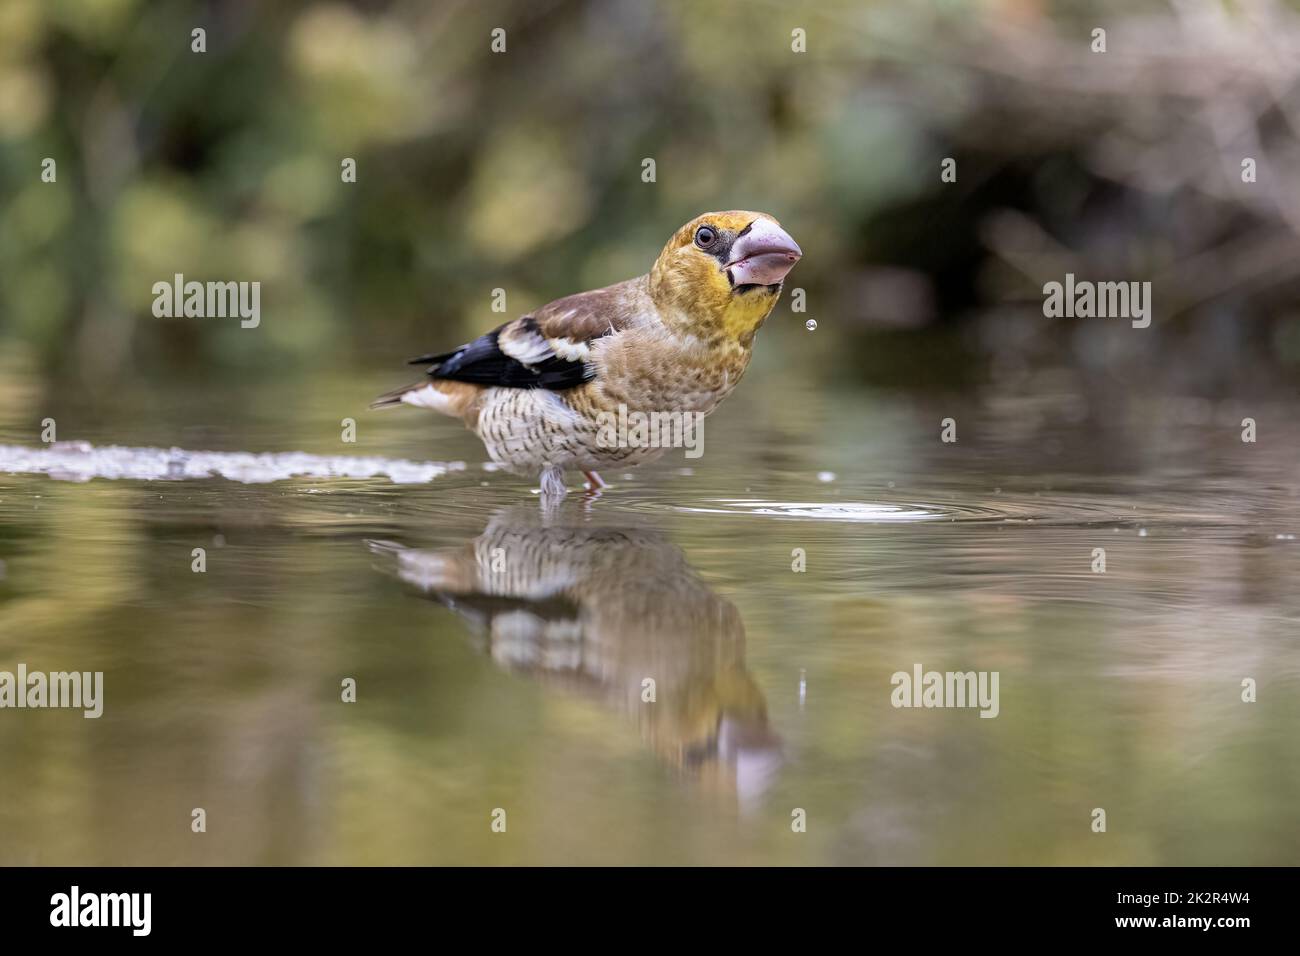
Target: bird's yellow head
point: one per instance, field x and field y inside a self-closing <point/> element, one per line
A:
<point x="721" y="273"/>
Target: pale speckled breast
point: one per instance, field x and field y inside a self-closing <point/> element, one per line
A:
<point x="528" y="429"/>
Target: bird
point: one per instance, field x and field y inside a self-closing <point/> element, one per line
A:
<point x="594" y="608"/>
<point x="543" y="390"/>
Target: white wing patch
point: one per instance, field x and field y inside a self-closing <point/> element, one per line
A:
<point x="526" y="347"/>
<point x="570" y="350"/>
<point x="529" y="346"/>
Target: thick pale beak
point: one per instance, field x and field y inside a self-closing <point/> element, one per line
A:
<point x="763" y="255"/>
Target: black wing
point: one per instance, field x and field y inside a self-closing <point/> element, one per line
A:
<point x="516" y="355"/>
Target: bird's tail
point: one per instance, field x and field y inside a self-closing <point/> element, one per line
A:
<point x="450" y="398"/>
<point x="389" y="399"/>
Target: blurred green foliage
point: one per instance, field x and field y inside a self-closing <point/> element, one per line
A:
<point x="522" y="169"/>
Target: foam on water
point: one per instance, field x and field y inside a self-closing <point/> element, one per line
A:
<point x="81" y="461"/>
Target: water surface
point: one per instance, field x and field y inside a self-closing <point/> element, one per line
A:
<point x="500" y="650"/>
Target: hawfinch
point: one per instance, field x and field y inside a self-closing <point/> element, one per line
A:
<point x="542" y="390"/>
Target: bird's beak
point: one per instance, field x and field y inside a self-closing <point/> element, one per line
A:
<point x="762" y="255"/>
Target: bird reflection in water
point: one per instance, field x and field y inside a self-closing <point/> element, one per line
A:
<point x="599" y="610"/>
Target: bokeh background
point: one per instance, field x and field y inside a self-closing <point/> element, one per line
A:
<point x="522" y="170"/>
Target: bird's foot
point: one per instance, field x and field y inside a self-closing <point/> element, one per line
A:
<point x="594" y="481"/>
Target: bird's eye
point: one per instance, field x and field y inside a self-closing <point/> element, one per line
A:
<point x="705" y="236"/>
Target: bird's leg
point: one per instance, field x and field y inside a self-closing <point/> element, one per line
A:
<point x="552" y="482"/>
<point x="593" y="486"/>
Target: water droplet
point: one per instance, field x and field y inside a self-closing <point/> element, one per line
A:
<point x="811" y="325"/>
